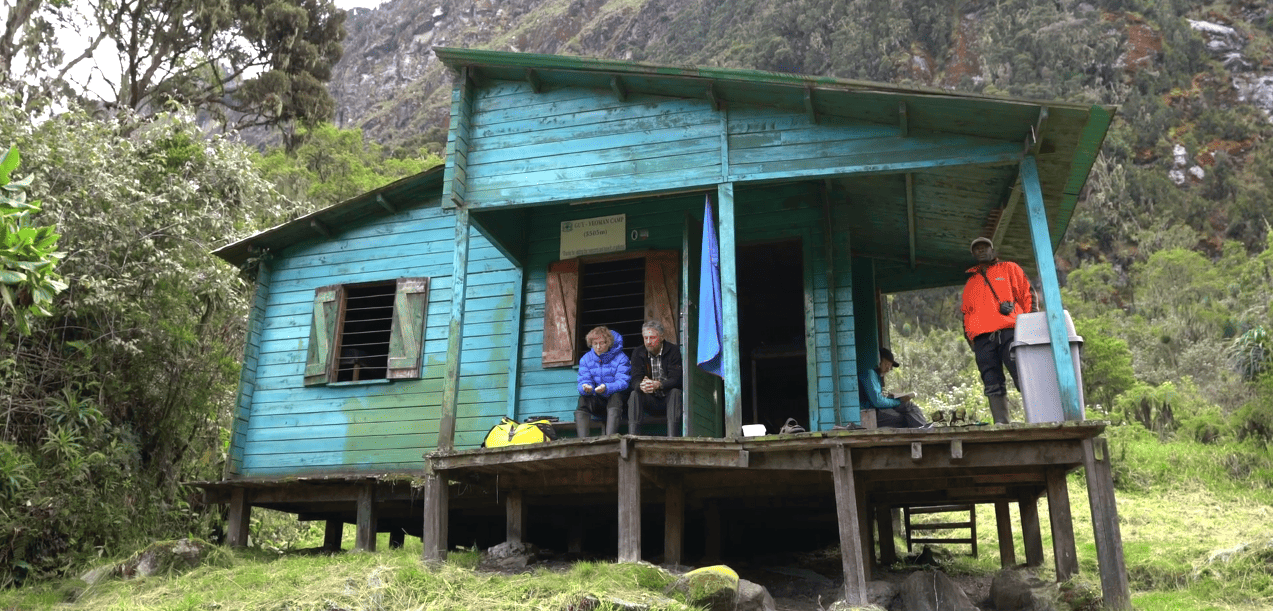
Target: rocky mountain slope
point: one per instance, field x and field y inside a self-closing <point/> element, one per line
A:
<point x="1194" y="79"/>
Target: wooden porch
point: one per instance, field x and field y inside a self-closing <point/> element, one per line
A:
<point x="864" y="473"/>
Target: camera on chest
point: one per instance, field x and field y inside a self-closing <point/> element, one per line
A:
<point x="1006" y="307"/>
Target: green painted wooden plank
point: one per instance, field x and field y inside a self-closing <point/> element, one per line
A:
<point x="247" y="383"/>
<point x="660" y="159"/>
<point x="694" y="175"/>
<point x="579" y="155"/>
<point x="551" y="122"/>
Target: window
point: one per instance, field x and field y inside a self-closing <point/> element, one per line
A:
<point x="367" y="331"/>
<point x="618" y="292"/>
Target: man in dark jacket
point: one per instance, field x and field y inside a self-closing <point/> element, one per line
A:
<point x="656" y="379"/>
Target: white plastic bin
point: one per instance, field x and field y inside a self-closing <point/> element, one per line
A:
<point x="1036" y="371"/>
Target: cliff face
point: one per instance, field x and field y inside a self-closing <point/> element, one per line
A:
<point x="390" y="84"/>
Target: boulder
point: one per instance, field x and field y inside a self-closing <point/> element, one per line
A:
<point x="933" y="591"/>
<point x="509" y="556"/>
<point x="714" y="588"/>
<point x="754" y="597"/>
<point x="165" y="557"/>
<point x="1013" y="590"/>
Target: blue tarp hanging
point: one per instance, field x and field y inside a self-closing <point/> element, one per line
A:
<point x="710" y="336"/>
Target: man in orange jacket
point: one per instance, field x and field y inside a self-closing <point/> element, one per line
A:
<point x="995" y="293"/>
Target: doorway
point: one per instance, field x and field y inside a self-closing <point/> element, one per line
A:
<point x="772" y="335"/>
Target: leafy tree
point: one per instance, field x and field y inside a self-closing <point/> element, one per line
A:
<point x="1106" y="361"/>
<point x="249" y="63"/>
<point x="28" y="253"/>
<point x="334" y="164"/>
<point x="124" y="391"/>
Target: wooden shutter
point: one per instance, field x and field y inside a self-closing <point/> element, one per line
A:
<point x="322" y="335"/>
<point x="663" y="290"/>
<point x="406" y="339"/>
<point x="561" y="302"/>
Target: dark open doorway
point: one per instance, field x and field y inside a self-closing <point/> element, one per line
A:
<point x="771" y="334"/>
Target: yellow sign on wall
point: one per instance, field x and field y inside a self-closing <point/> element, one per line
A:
<point x="593" y="236"/>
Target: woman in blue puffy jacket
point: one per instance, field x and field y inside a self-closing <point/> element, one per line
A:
<point x="603" y="381"/>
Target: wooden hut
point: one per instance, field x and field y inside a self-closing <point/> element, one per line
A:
<point x="391" y="331"/>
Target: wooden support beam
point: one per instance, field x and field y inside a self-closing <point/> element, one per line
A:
<point x="903" y="120"/>
<point x="332" y="534"/>
<point x="532" y="77"/>
<point x="809" y="108"/>
<point x="1109" y="540"/>
<point x="240" y="516"/>
<point x="673" y="520"/>
<point x="620" y="91"/>
<point x="630" y="507"/>
<point x="1004" y="215"/>
<point x="455" y="176"/>
<point x="1058" y="332"/>
<point x="730" y="357"/>
<point x="911" y="233"/>
<point x="1031" y="533"/>
<point x="384" y="203"/>
<point x="1063" y="550"/>
<point x="884" y="524"/>
<point x="320" y="228"/>
<point x="846" y="509"/>
<point x="436" y="510"/>
<point x="476" y="77"/>
<point x="574" y="537"/>
<point x="515" y="512"/>
<point x="397" y="538"/>
<point x="1003" y="520"/>
<point x="455" y="336"/>
<point x="365" y="529"/>
<point x="712" y="97"/>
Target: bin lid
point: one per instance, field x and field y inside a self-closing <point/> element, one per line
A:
<point x="1032" y="329"/>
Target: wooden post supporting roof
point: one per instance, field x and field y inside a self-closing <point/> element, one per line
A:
<point x="455" y="339"/>
<point x="1057" y="331"/>
<point x="730" y="358"/>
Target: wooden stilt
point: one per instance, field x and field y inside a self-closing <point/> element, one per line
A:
<point x="1062" y="526"/>
<point x="673" y="520"/>
<point x="865" y="535"/>
<point x="365" y="533"/>
<point x="436" y="508"/>
<point x="397" y="538"/>
<point x="574" y="537"/>
<point x="333" y="534"/>
<point x="884" y="523"/>
<point x="1109" y="540"/>
<point x="515" y="510"/>
<point x="1031" y="533"/>
<point x="629" y="506"/>
<point x="1007" y="551"/>
<point x="240" y="516"/>
<point x="846" y="508"/>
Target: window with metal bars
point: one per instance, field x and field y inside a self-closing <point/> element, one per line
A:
<point x="364" y="332"/>
<point x="367" y="331"/>
<point x="612" y="293"/>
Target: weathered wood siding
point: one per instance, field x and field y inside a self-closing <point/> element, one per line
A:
<point x="765" y="214"/>
<point x="377" y="426"/>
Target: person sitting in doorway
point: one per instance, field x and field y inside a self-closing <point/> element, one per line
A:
<point x="656" y="373"/>
<point x="604" y="372"/>
<point x="891" y="412"/>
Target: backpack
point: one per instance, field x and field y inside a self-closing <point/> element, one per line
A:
<point x="509" y="432"/>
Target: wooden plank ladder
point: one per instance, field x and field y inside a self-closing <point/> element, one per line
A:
<point x="970" y="524"/>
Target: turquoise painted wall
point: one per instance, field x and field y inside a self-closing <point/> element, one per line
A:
<point x="384" y="426"/>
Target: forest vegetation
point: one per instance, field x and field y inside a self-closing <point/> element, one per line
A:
<point x="120" y="336"/>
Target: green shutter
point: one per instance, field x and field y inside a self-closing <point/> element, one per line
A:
<point x="322" y="335"/>
<point x="406" y="340"/>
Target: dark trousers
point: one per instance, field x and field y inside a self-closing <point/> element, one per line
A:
<point x="905" y="416"/>
<point x="669" y="405"/>
<point x="994" y="353"/>
<point x="598" y="406"/>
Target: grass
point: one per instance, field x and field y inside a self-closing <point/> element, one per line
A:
<point x="265" y="581"/>
<point x="1196" y="523"/>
